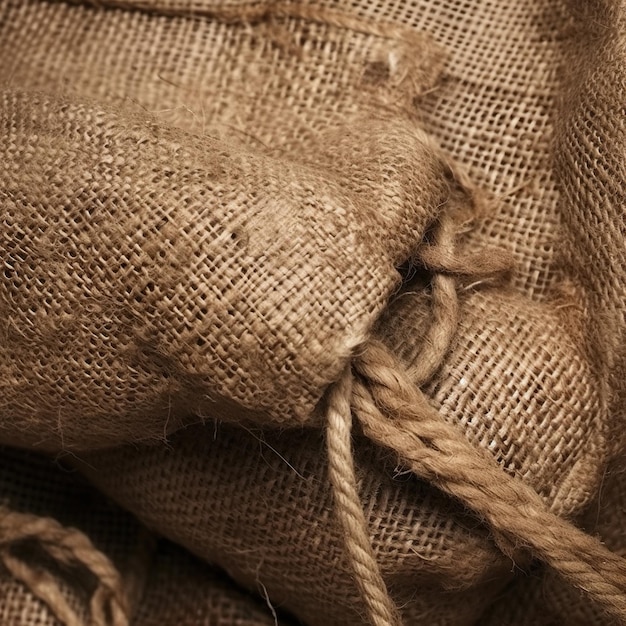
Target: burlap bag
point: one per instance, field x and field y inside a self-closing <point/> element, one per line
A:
<point x="153" y="272"/>
<point x="590" y="169"/>
<point x="172" y="274"/>
<point x="421" y="540"/>
<point x="520" y="371"/>
<point x="182" y="590"/>
<point x="260" y="505"/>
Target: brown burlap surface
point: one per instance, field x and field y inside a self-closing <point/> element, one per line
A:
<point x="589" y="161"/>
<point x="36" y="490"/>
<point x="332" y="97"/>
<point x="269" y="520"/>
<point x="187" y="271"/>
<point x="182" y="590"/>
<point x="590" y="165"/>
<point x="157" y="272"/>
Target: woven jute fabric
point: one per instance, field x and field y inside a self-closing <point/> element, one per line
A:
<point x="546" y="600"/>
<point x="417" y="536"/>
<point x="183" y="590"/>
<point x="209" y="207"/>
<point x="590" y="167"/>
<point x="163" y="584"/>
<point x="210" y="260"/>
<point x="271" y="521"/>
<point x="193" y="274"/>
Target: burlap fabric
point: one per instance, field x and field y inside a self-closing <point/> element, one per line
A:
<point x="533" y="372"/>
<point x="63" y="544"/>
<point x="590" y="167"/>
<point x="421" y="541"/>
<point x="271" y="521"/>
<point x="183" y="590"/>
<point x="545" y="600"/>
<point x="191" y="274"/>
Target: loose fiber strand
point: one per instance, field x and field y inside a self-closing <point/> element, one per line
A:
<point x="254" y="13"/>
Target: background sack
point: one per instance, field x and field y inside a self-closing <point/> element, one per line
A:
<point x="163" y="584"/>
<point x="260" y="506"/>
<point x="37" y="488"/>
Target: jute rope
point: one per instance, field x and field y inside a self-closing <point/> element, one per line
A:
<point x="394" y="413"/>
<point x="445" y="311"/>
<point x="447" y="266"/>
<point x="69" y="547"/>
<point x="381" y="609"/>
<point x="440" y="257"/>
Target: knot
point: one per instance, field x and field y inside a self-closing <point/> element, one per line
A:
<point x="447" y="266"/>
<point x="394" y="413"/>
<point x="70" y="548"/>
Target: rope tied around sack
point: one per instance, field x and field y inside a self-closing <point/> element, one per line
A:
<point x="393" y="412"/>
<point x="71" y="548"/>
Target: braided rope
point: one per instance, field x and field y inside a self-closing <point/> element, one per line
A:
<point x="445" y="312"/>
<point x="381" y="610"/>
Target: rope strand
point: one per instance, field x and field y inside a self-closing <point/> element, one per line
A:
<point x="395" y="414"/>
<point x="381" y="609"/>
<point x="445" y="312"/>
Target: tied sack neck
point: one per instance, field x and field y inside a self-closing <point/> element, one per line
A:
<point x="393" y="412"/>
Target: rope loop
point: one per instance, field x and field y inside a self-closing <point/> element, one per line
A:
<point x="71" y="548"/>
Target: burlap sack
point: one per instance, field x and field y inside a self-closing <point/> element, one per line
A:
<point x="162" y="274"/>
<point x="182" y="590"/>
<point x="495" y="112"/>
<point x="590" y="169"/>
<point x="259" y="505"/>
<point x="159" y="582"/>
<point x="150" y="271"/>
<point x="589" y="164"/>
<point x="277" y="524"/>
